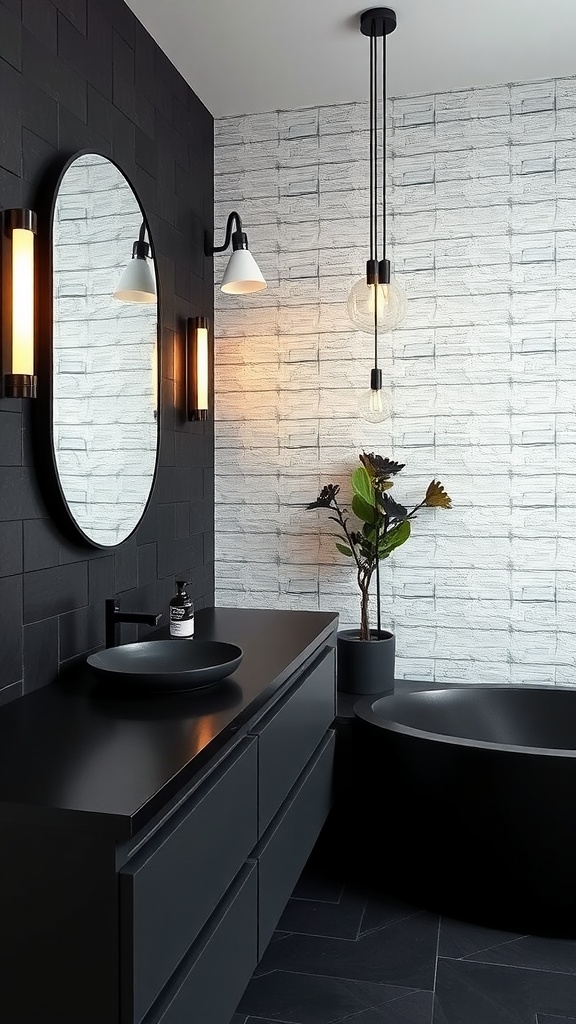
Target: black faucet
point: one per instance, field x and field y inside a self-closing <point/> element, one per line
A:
<point x="114" y="617"/>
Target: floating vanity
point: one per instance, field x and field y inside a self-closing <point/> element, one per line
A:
<point x="148" y="846"/>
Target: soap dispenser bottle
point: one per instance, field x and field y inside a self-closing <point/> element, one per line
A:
<point x="182" y="612"/>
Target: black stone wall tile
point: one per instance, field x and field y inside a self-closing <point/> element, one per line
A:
<point x="37" y="155"/>
<point x="11" y="434"/>
<point x="126" y="562"/>
<point x="193" y="448"/>
<point x="146" y="153"/>
<point x="172" y="141"/>
<point x="148" y="528"/>
<point x="15" y="6"/>
<point x="39" y="112"/>
<point x="101" y="580"/>
<point x="80" y="54"/>
<point x="54" y="76"/>
<point x="73" y="550"/>
<point x="10" y="38"/>
<point x="145" y="114"/>
<point x="11" y="560"/>
<point x="41" y="544"/>
<point x="10" y="692"/>
<point x="10" y="194"/>
<point x="178" y="484"/>
<point x="49" y="592"/>
<point x="40" y="17"/>
<point x="11" y="619"/>
<point x="147" y="571"/>
<point x="123" y="139"/>
<point x="80" y="631"/>
<point x="20" y="499"/>
<point x="99" y="112"/>
<point x="74" y="11"/>
<point x="100" y="45"/>
<point x="120" y="17"/>
<point x="41" y="660"/>
<point x="70" y="130"/>
<point x="10" y="138"/>
<point x="182" y="519"/>
<point x="123" y="92"/>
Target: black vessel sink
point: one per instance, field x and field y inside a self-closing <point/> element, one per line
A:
<point x="166" y="666"/>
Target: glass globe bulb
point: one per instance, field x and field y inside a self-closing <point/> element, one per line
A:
<point x="374" y="405"/>
<point x="389" y="298"/>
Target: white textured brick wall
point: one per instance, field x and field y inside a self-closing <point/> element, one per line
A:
<point x="105" y="359"/>
<point x="482" y="196"/>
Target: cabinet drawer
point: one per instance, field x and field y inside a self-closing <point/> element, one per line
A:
<point x="289" y="734"/>
<point x="209" y="983"/>
<point x="284" y="850"/>
<point x="169" y="889"/>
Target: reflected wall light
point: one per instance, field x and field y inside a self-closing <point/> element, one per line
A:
<point x="138" y="282"/>
<point x="197" y="368"/>
<point x="242" y="275"/>
<point x="18" y="232"/>
<point x="376" y="302"/>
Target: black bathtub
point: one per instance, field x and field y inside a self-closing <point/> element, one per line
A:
<point x="469" y="801"/>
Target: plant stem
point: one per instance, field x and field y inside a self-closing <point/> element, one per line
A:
<point x="342" y="522"/>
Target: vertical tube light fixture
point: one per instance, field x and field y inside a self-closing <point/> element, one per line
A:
<point x="197" y="368"/>
<point x="376" y="302"/>
<point x="18" y="232"/>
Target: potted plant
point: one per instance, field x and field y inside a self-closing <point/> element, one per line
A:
<point x="366" y="656"/>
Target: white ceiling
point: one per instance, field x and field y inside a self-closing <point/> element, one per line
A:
<point x="246" y="56"/>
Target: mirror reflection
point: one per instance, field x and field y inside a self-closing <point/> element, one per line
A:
<point x="105" y="351"/>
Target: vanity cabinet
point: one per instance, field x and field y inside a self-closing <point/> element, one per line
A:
<point x="166" y="925"/>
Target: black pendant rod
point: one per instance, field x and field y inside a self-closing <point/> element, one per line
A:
<point x="374" y="212"/>
<point x="384" y="147"/>
<point x="373" y="254"/>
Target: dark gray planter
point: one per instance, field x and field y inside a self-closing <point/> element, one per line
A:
<point x="365" y="666"/>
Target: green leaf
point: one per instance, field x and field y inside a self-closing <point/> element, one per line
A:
<point x="362" y="485"/>
<point x="363" y="509"/>
<point x="344" y="550"/>
<point x="394" y="538"/>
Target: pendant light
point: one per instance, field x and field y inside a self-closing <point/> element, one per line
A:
<point x="376" y="302"/>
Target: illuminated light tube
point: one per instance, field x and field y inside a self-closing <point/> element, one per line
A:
<point x="197" y="363"/>
<point x="18" y="235"/>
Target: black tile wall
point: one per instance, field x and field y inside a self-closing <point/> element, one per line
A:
<point x="85" y="74"/>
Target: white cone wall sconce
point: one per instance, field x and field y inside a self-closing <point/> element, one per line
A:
<point x="138" y="282"/>
<point x="242" y="275"/>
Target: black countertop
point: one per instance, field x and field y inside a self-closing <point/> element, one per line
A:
<point x="74" y="755"/>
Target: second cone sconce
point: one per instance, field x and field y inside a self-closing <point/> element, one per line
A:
<point x="197" y="368"/>
<point x="242" y="275"/>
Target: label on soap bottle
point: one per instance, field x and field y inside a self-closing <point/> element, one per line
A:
<point x="182" y="613"/>
<point x="181" y="627"/>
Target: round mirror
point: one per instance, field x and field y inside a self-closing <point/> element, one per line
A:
<point x="105" y="351"/>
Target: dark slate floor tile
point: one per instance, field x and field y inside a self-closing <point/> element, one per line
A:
<point x="413" y="1008"/>
<point x="314" y="917"/>
<point x="384" y="910"/>
<point x="314" y="885"/>
<point x="459" y="940"/>
<point x="547" y="1018"/>
<point x="307" y="999"/>
<point x="404" y="953"/>
<point x="477" y="993"/>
